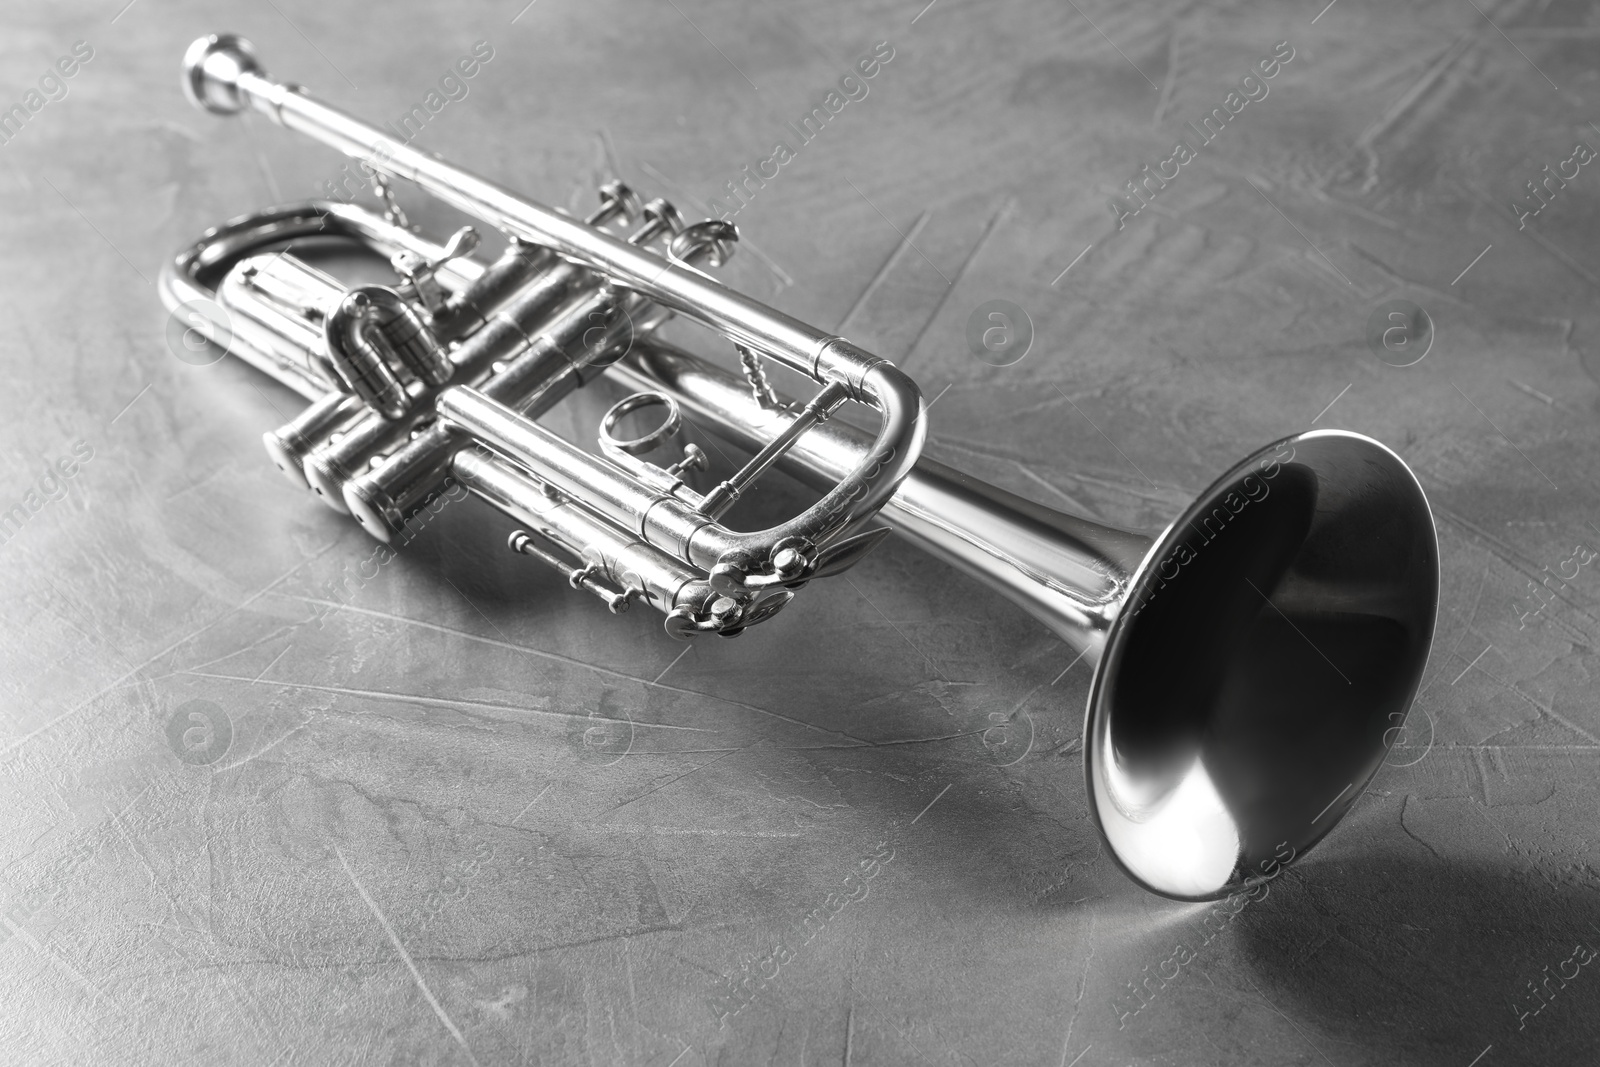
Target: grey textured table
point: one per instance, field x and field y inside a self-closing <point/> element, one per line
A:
<point x="458" y="813"/>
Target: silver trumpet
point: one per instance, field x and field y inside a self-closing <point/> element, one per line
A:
<point x="1253" y="662"/>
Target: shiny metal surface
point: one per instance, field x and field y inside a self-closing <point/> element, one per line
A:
<point x="1261" y="664"/>
<point x="374" y="344"/>
<point x="1253" y="663"/>
<point x="230" y="78"/>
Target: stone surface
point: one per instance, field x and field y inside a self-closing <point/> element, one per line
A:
<point x="468" y="816"/>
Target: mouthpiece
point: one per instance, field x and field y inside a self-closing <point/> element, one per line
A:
<point x="211" y="70"/>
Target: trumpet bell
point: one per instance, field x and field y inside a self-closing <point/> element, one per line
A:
<point x="1265" y="654"/>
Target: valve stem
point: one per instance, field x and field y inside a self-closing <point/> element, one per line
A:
<point x="586" y="578"/>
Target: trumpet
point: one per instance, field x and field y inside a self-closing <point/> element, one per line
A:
<point x="1253" y="662"/>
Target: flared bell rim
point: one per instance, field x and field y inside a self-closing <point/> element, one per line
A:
<point x="1337" y="460"/>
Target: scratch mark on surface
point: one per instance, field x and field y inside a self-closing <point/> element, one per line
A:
<point x="1113" y="44"/>
<point x="531" y="803"/>
<point x="1086" y="249"/>
<point x="446" y="702"/>
<point x="1078" y="504"/>
<point x="1507" y="554"/>
<point x="1331" y="803"/>
<point x="475" y="607"/>
<point x="1472" y="616"/>
<point x="1169" y="83"/>
<point x="1102" y="433"/>
<point x="904" y="1034"/>
<point x="1165" y="497"/>
<point x="155" y="879"/>
<point x="1474" y="263"/>
<point x="1561" y="256"/>
<point x="69" y="713"/>
<point x="1288" y="1020"/>
<point x="1404" y="807"/>
<point x="995" y="220"/>
<point x="265" y="1030"/>
<point x="608" y="148"/>
<point x="850" y="1014"/>
<point x="931" y="803"/>
<point x="1354" y="209"/>
<point x="1533" y="235"/>
<point x="570" y="662"/>
<point x="931" y="665"/>
<point x="1402" y="105"/>
<point x="897" y="229"/>
<point x="264" y="751"/>
<point x="1083" y="982"/>
<point x="633" y="996"/>
<point x="270" y="404"/>
<point x="266" y="639"/>
<point x="1513" y="44"/>
<point x="883" y="271"/>
<point x="394" y="939"/>
<point x="274" y="663"/>
<point x="66" y="968"/>
<point x="1511" y="845"/>
<point x="670" y="928"/>
<point x="657" y="679"/>
<point x="1301" y="232"/>
<point x="887" y="744"/>
<point x="1471" y="665"/>
<point x="1531" y="391"/>
<point x="130" y="404"/>
<point x="682" y="831"/>
<point x="1507" y="440"/>
<point x="1332" y="402"/>
<point x="1550" y="711"/>
<point x="663" y="785"/>
<point x="1071" y="665"/>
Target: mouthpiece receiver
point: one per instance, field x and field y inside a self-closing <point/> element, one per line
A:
<point x="211" y="70"/>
